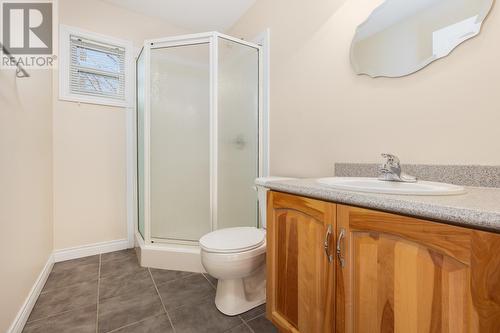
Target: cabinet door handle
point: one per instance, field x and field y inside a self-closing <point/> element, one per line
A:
<point x="339" y="247"/>
<point x="326" y="244"/>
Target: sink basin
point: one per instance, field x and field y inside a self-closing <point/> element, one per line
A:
<point x="373" y="185"/>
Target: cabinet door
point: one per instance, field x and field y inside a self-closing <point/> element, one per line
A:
<point x="300" y="271"/>
<point x="401" y="274"/>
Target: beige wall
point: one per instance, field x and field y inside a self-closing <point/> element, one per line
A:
<point x="321" y="112"/>
<point x="90" y="140"/>
<point x="25" y="186"/>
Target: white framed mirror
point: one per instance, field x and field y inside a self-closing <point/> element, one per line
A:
<point x="401" y="37"/>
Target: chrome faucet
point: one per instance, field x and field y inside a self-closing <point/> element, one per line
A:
<point x="391" y="170"/>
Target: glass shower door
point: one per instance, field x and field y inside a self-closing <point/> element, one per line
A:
<point x="197" y="136"/>
<point x="180" y="142"/>
<point x="238" y="134"/>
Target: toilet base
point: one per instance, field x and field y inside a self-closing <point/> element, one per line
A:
<point x="236" y="296"/>
<point x="231" y="298"/>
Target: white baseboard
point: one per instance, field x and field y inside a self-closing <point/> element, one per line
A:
<point x="23" y="314"/>
<point x="90" y="250"/>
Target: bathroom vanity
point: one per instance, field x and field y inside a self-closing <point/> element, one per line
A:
<point x="399" y="264"/>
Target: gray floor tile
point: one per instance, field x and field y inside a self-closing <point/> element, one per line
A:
<point x="122" y="266"/>
<point x="71" y="273"/>
<point x="202" y="317"/>
<point x="128" y="308"/>
<point x="262" y="325"/>
<point x="119" y="255"/>
<point x="129" y="302"/>
<point x="70" y="264"/>
<point x="253" y="313"/>
<point x="112" y="286"/>
<point x="64" y="299"/>
<point x="157" y="324"/>
<point x="240" y="329"/>
<point x="186" y="291"/>
<point x="163" y="275"/>
<point x="81" y="320"/>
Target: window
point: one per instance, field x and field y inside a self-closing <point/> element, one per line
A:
<point x="94" y="68"/>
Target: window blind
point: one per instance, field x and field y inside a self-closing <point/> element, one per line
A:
<point x="97" y="69"/>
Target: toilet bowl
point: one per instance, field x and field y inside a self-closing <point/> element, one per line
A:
<point x="237" y="258"/>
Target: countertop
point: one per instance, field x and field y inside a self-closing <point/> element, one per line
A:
<point x="478" y="208"/>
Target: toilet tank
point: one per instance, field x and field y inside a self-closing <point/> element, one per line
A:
<point x="262" y="198"/>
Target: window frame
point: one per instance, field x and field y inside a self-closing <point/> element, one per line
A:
<point x="65" y="94"/>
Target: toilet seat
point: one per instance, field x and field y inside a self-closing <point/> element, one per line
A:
<point x="233" y="240"/>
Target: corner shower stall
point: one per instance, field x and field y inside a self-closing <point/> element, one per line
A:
<point x="199" y="122"/>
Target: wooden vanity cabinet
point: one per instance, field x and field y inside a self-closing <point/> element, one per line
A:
<point x="391" y="273"/>
<point x="300" y="263"/>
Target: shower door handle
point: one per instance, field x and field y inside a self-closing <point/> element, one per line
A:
<point x="240" y="142"/>
<point x="326" y="243"/>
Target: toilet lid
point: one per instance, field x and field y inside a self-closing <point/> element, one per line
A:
<point x="233" y="239"/>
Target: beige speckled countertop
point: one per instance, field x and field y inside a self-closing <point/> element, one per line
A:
<point x="478" y="208"/>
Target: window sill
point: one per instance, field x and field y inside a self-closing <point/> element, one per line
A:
<point x="95" y="100"/>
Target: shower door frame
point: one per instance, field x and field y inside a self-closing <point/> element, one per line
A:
<point x="212" y="39"/>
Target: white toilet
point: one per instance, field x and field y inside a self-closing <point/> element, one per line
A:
<point x="237" y="258"/>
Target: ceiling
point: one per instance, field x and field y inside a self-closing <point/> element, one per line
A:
<point x="192" y="15"/>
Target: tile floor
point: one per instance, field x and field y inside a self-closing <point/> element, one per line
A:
<point x="112" y="293"/>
